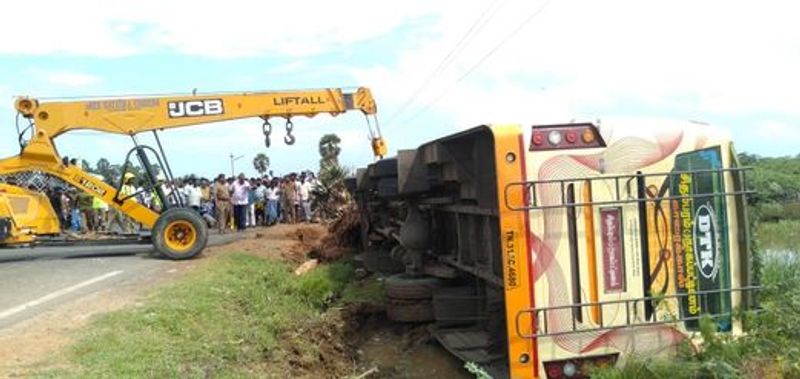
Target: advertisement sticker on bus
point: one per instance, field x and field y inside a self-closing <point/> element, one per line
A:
<point x="700" y="241"/>
<point x="613" y="254"/>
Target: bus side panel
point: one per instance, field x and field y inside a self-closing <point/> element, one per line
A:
<point x="620" y="243"/>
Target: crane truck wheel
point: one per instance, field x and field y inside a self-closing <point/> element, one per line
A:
<point x="179" y="233"/>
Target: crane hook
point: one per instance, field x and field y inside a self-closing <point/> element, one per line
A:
<point x="266" y="128"/>
<point x="289" y="138"/>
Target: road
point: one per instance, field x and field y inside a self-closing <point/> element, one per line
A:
<point x="36" y="280"/>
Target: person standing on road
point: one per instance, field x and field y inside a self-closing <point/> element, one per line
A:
<point x="240" y="198"/>
<point x="222" y="203"/>
<point x="250" y="214"/>
<point x="193" y="195"/>
<point x="273" y="196"/>
<point x="305" y="197"/>
<point x="287" y="201"/>
<point x="260" y="193"/>
<point x="84" y="203"/>
<point x="100" y="214"/>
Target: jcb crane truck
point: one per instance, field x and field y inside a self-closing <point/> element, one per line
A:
<point x="542" y="252"/>
<point x="177" y="233"/>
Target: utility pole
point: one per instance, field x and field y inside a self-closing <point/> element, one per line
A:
<point x="234" y="159"/>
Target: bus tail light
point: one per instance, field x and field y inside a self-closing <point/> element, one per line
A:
<point x="578" y="368"/>
<point x="565" y="136"/>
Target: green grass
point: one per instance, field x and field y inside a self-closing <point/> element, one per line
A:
<point x="363" y="291"/>
<point x="241" y="316"/>
<point x="779" y="236"/>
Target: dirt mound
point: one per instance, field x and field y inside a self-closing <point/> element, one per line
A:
<point x="318" y="350"/>
<point x="343" y="235"/>
<point x="306" y="240"/>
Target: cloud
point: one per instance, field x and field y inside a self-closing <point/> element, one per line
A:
<point x="70" y="79"/>
<point x="579" y="59"/>
<point x="235" y="28"/>
<point x="587" y="58"/>
<point x="771" y="130"/>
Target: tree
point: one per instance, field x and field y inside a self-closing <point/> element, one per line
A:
<point x="329" y="149"/>
<point x="330" y="195"/>
<point x="261" y="163"/>
<point x="86" y="166"/>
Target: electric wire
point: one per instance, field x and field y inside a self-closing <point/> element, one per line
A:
<point x="483" y="59"/>
<point x="478" y="25"/>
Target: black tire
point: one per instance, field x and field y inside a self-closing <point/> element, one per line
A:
<point x="167" y="234"/>
<point x="407" y="287"/>
<point x="409" y="311"/>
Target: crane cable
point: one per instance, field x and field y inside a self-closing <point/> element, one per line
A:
<point x="481" y="60"/>
<point x="465" y="40"/>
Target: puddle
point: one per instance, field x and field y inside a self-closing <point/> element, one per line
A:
<point x="386" y="349"/>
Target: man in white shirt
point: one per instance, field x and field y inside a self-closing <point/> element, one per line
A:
<point x="305" y="197"/>
<point x="240" y="199"/>
<point x="193" y="196"/>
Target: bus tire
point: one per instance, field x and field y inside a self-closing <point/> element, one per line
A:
<point x="407" y="287"/>
<point x="409" y="311"/>
<point x="179" y="233"/>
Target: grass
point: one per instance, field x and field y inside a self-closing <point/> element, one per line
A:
<point x="779" y="236"/>
<point x="242" y="316"/>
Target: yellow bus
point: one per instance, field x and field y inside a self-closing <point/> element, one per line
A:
<point x="542" y="251"/>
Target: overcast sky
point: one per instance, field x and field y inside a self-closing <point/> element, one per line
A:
<point x="435" y="67"/>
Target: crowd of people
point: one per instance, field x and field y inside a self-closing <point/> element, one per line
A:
<point x="239" y="203"/>
<point x="227" y="203"/>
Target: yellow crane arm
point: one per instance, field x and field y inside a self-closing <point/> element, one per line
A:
<point x="135" y="115"/>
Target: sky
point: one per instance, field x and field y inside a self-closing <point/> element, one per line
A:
<point x="434" y="67"/>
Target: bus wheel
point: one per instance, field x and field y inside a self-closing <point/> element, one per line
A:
<point x="179" y="233"/>
<point x="407" y="287"/>
<point x="409" y="311"/>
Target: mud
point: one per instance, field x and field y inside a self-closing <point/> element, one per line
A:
<point x="398" y="351"/>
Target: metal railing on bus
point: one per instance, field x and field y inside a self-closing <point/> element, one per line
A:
<point x="531" y="202"/>
<point x="632" y="313"/>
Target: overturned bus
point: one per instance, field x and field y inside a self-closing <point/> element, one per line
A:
<point x="541" y="252"/>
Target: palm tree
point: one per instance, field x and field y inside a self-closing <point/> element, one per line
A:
<point x="261" y="163"/>
<point x="329" y="148"/>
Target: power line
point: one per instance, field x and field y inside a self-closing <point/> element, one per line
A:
<point x="483" y="59"/>
<point x="478" y="25"/>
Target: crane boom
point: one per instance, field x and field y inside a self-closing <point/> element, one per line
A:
<point x="135" y="115"/>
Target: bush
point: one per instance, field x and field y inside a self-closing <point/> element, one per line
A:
<point x="772" y="212"/>
<point x="321" y="286"/>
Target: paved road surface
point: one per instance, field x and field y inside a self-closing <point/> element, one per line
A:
<point x="35" y="280"/>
